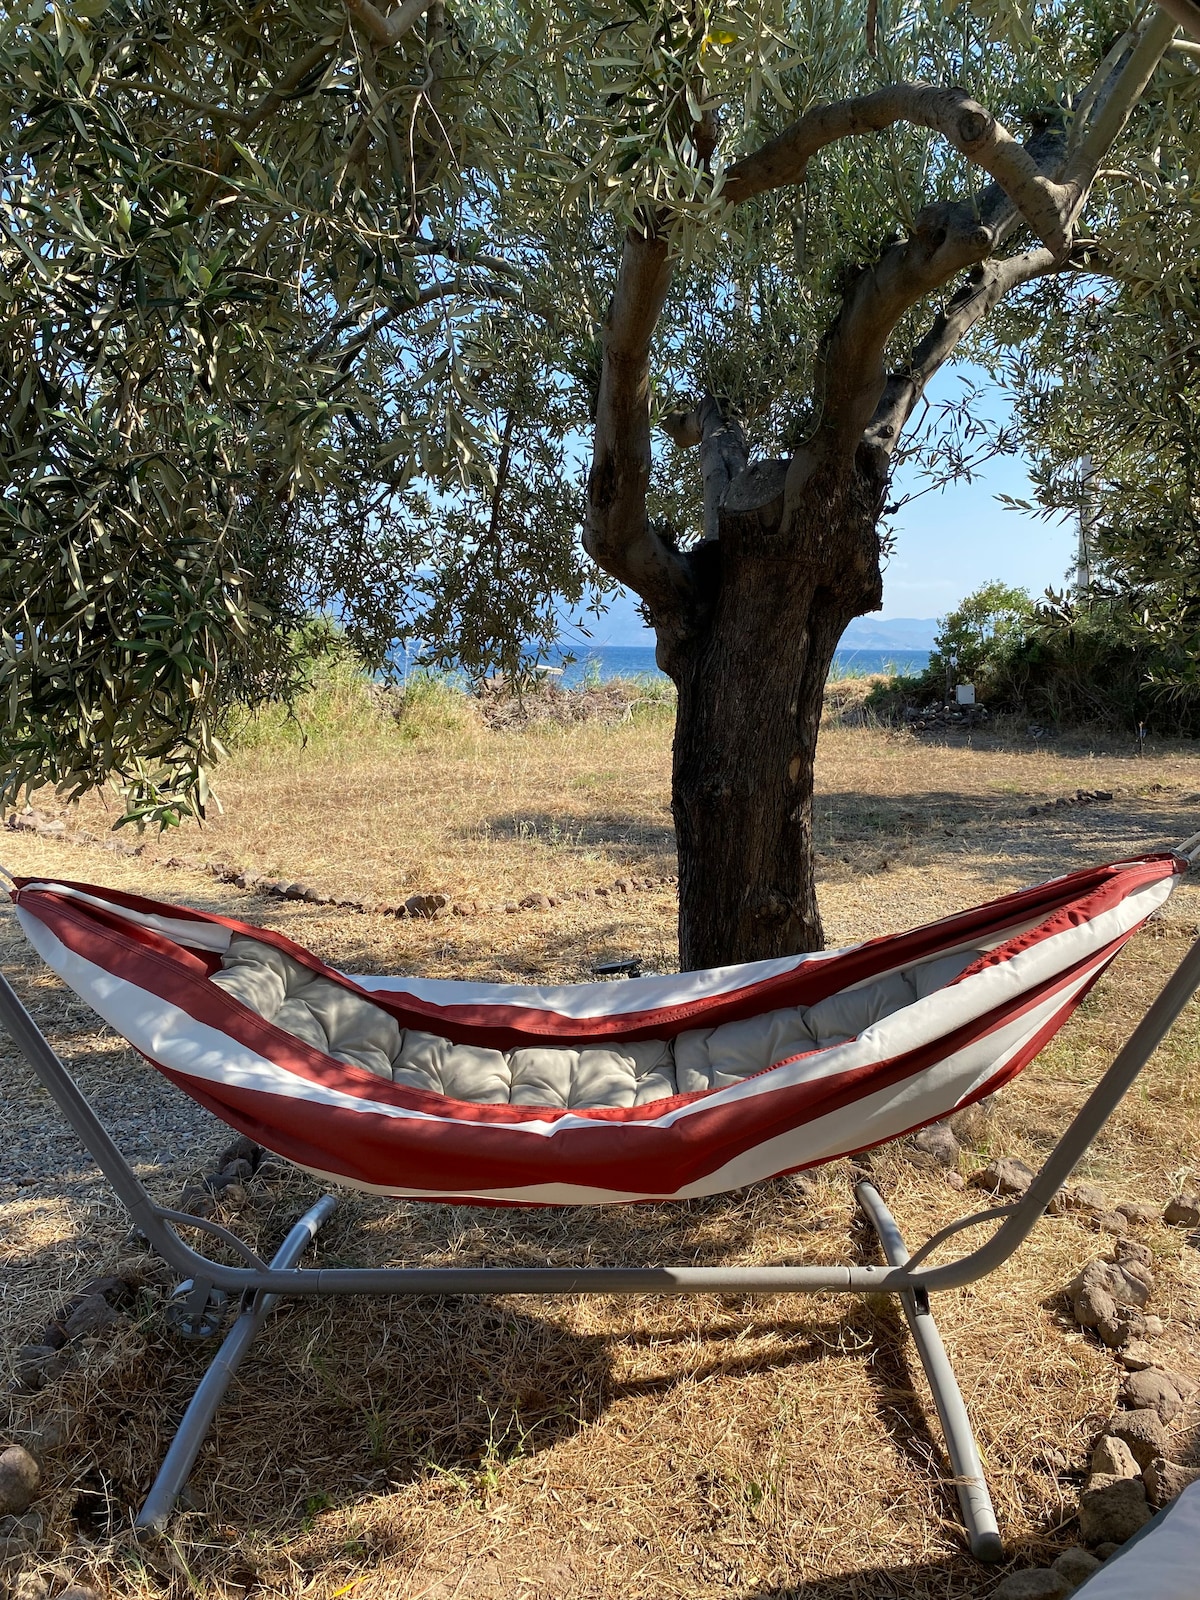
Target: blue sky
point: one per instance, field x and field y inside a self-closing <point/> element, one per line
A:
<point x="947" y="544"/>
<point x="950" y="543"/>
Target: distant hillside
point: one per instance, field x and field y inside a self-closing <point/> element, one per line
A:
<point x="621" y="624"/>
<point x="891" y="633"/>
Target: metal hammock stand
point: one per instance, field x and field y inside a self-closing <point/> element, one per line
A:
<point x="200" y="1304"/>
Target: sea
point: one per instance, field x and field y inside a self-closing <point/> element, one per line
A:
<point x="607" y="661"/>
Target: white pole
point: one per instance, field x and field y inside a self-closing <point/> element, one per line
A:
<point x="1087" y="522"/>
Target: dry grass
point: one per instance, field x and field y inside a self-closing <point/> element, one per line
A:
<point x="569" y="1448"/>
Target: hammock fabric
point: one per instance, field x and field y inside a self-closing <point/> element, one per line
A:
<point x="946" y="1014"/>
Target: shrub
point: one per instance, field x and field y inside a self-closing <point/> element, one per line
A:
<point x="976" y="642"/>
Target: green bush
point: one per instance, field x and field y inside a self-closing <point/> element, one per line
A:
<point x="1056" y="663"/>
<point x="977" y="641"/>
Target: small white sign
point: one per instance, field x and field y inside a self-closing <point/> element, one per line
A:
<point x="965" y="694"/>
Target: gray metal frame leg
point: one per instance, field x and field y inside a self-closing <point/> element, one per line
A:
<point x="197" y="1419"/>
<point x="977" y="1511"/>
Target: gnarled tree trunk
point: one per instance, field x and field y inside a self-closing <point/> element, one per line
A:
<point x="751" y="681"/>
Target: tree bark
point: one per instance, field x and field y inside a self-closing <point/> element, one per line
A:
<point x="751" y="682"/>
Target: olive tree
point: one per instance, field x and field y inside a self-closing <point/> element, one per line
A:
<point x="1118" y="447"/>
<point x="316" y="304"/>
<point x="883" y="224"/>
<point x="246" y="290"/>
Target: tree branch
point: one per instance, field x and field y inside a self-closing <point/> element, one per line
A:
<point x="1185" y="13"/>
<point x="951" y="112"/>
<point x="949" y="238"/>
<point x="1114" y="109"/>
<point x="723" y="452"/>
<point x="386" y="31"/>
<point x="986" y="287"/>
<point x="617" y="533"/>
<point x="851" y="375"/>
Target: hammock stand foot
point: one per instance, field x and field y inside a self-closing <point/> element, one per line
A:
<point x="978" y="1515"/>
<point x="198" y="1418"/>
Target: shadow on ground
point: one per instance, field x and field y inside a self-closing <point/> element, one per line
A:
<point x="576" y="834"/>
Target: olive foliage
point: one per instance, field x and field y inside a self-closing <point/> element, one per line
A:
<point x="302" y="308"/>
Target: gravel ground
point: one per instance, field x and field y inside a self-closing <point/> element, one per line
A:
<point x="165" y="1136"/>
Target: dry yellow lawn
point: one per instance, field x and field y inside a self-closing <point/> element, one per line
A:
<point x="571" y="1448"/>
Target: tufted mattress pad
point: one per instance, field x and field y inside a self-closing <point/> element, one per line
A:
<point x="352" y="1029"/>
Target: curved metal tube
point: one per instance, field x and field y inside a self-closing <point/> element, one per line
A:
<point x="973" y="1497"/>
<point x="197" y="1419"/>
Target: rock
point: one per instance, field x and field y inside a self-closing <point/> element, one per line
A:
<point x="424" y="905"/>
<point x="1165" y="1481"/>
<point x="1102" y="1287"/>
<point x="1154" y="1328"/>
<point x="1086" y="1197"/>
<point x="1075" y="1565"/>
<point x="1142" y="1431"/>
<point x="1136" y="1257"/>
<point x="78" y="1591"/>
<point x="1008" y="1175"/>
<point x="238" y="1171"/>
<point x="1042" y="1583"/>
<point x="1110" y="1222"/>
<point x="1138" y="1213"/>
<point x="1112" y="1458"/>
<point x="20" y="1481"/>
<point x="510" y="906"/>
<point x="1183" y="1210"/>
<point x="27" y="1528"/>
<point x="241" y="1149"/>
<point x="956" y="1180"/>
<point x="1112" y="1509"/>
<point x="1152" y="1390"/>
<point x="1136" y="1356"/>
<point x="1108" y="1548"/>
<point x="40" y="1364"/>
<point x="92" y="1314"/>
<point x="939" y="1142"/>
<point x="1185" y="1386"/>
<point x="535" y="902"/>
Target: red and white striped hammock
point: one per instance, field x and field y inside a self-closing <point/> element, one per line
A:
<point x="586" y="1094"/>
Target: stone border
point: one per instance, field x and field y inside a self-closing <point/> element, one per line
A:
<point x="423" y="907"/>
